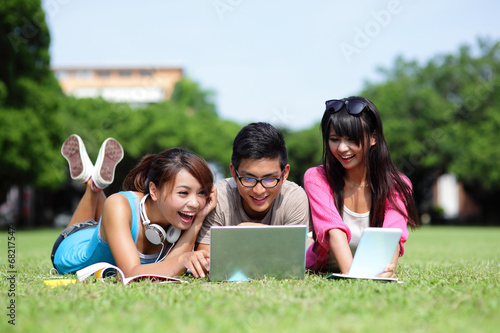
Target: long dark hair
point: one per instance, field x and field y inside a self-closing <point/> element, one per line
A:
<point x="385" y="180"/>
<point x="162" y="168"/>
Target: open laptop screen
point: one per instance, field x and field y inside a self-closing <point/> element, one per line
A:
<point x="253" y="252"/>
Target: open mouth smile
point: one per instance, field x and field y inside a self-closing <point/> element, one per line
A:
<point x="187" y="217"/>
<point x="259" y="201"/>
<point x="347" y="157"/>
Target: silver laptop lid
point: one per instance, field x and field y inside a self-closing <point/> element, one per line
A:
<point x="243" y="253"/>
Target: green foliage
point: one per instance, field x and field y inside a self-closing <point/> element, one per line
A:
<point x="304" y="151"/>
<point x="29" y="98"/>
<point x="447" y="287"/>
<point x="28" y="136"/>
<point x="190" y="124"/>
<point x="189" y="95"/>
<point x="36" y="117"/>
<point x="24" y="41"/>
<point x="441" y="116"/>
<point x="444" y="115"/>
<point x="27" y="149"/>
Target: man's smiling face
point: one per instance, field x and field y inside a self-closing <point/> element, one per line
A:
<point x="258" y="200"/>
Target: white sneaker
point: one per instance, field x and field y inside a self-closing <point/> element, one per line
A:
<point x="110" y="154"/>
<point x="80" y="166"/>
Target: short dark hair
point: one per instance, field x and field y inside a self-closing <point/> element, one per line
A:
<point x="259" y="140"/>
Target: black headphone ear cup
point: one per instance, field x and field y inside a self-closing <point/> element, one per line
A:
<point x="173" y="234"/>
<point x="155" y="234"/>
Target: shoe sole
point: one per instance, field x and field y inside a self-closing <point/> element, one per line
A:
<point x="71" y="152"/>
<point x="113" y="154"/>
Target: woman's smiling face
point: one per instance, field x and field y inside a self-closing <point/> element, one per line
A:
<point x="349" y="153"/>
<point x="180" y="203"/>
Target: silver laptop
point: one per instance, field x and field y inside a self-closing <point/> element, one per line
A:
<point x="246" y="253"/>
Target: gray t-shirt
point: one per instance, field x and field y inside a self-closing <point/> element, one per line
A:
<point x="291" y="207"/>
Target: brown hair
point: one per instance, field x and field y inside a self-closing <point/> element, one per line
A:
<point x="162" y="168"/>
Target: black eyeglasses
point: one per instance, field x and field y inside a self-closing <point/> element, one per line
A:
<point x="268" y="182"/>
<point x="352" y="107"/>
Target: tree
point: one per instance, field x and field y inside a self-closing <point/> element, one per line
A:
<point x="36" y="117"/>
<point x="24" y="41"/>
<point x="29" y="97"/>
<point x="189" y="95"/>
<point x="304" y="151"/>
<point x="188" y="121"/>
<point x="444" y="116"/>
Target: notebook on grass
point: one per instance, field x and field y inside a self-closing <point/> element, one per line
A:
<point x="374" y="253"/>
<point x="246" y="253"/>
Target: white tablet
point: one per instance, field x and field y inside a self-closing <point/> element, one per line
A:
<point x="374" y="253"/>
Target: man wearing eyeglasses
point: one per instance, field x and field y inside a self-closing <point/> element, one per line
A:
<point x="258" y="193"/>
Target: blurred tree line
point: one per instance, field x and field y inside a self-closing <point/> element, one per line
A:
<point x="444" y="117"/>
<point x="36" y="117"/>
<point x="441" y="116"/>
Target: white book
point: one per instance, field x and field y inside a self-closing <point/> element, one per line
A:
<point x="103" y="270"/>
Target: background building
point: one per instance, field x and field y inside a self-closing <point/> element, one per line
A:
<point x="453" y="200"/>
<point x="127" y="84"/>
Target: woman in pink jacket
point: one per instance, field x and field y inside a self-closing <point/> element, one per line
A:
<point x="357" y="186"/>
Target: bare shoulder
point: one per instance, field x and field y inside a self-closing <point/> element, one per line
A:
<point x="117" y="206"/>
<point x="116" y="200"/>
<point x="116" y="214"/>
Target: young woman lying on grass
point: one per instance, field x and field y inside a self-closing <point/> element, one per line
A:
<point x="358" y="186"/>
<point x="171" y="190"/>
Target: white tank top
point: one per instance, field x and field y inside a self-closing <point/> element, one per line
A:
<point x="356" y="223"/>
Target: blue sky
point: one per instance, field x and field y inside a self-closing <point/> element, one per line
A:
<point x="275" y="61"/>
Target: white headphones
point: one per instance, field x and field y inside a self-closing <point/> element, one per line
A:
<point x="155" y="233"/>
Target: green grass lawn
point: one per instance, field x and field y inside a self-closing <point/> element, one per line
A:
<point x="451" y="284"/>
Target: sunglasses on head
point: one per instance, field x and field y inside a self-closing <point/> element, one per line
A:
<point x="352" y="107"/>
